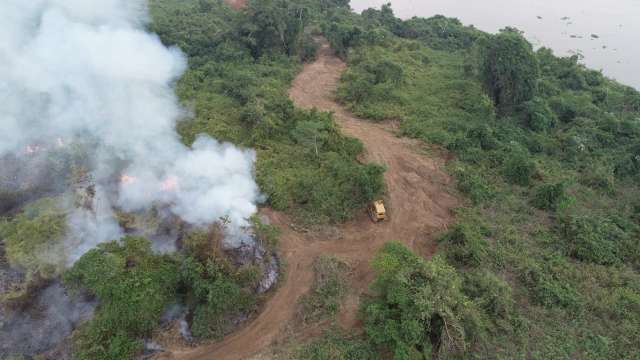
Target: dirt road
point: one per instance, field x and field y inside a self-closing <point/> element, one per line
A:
<point x="419" y="205"/>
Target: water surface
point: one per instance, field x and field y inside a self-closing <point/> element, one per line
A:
<point x="566" y="26"/>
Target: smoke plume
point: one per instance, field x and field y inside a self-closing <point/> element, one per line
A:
<point x="87" y="71"/>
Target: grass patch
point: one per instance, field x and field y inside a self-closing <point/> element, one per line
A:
<point x="328" y="291"/>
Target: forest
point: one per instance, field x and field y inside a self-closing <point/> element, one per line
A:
<point x="542" y="260"/>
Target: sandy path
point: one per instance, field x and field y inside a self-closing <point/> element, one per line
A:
<point x="419" y="205"/>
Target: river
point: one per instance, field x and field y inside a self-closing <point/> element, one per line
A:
<point x="606" y="33"/>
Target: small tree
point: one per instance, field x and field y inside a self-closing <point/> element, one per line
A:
<point x="508" y="68"/>
<point x="311" y="134"/>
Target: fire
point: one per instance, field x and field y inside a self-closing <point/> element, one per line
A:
<point x="170" y="183"/>
<point x="127" y="179"/>
<point x="32" y="149"/>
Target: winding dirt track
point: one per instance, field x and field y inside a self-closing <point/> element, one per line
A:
<point x="419" y="205"/>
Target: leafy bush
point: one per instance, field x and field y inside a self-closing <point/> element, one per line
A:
<point x="338" y="189"/>
<point x="600" y="240"/>
<point x="519" y="168"/>
<point x="552" y="197"/>
<point x="628" y="164"/>
<point x="493" y="294"/>
<point x="440" y="33"/>
<point x="215" y="296"/>
<point x="309" y="49"/>
<point x="545" y="288"/>
<point x="600" y="177"/>
<point x="418" y="309"/>
<point x="33" y="238"/>
<point x="474" y="185"/>
<point x="133" y="285"/>
<point x="385" y="71"/>
<point x="538" y="115"/>
<point x="465" y="246"/>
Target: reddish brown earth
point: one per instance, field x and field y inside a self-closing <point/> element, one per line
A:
<point x="418" y="199"/>
<point x="236" y="4"/>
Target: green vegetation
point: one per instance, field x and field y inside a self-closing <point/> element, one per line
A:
<point x="241" y="65"/>
<point x="217" y="294"/>
<point x="328" y="292"/>
<point x="546" y="250"/>
<point x="542" y="261"/>
<point x="336" y="345"/>
<point x="508" y="68"/>
<point x="32" y="238"/>
<point x="133" y="285"/>
<point x="419" y="305"/>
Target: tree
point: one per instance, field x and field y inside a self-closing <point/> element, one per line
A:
<point x="508" y="68"/>
<point x="275" y="25"/>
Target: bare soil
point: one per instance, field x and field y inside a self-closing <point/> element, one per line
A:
<point x="419" y="199"/>
<point x="237" y="4"/>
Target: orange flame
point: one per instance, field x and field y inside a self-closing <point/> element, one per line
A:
<point x="127" y="179"/>
<point x="32" y="149"/>
<point x="170" y="183"/>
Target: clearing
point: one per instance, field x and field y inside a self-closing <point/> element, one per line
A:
<point x="418" y="201"/>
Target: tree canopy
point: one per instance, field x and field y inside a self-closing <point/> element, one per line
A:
<point x="508" y="68"/>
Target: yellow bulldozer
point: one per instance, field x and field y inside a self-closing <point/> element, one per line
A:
<point x="377" y="212"/>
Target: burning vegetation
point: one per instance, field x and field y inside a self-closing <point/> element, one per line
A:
<point x="102" y="201"/>
<point x="115" y="220"/>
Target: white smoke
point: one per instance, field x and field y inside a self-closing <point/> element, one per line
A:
<point x="87" y="70"/>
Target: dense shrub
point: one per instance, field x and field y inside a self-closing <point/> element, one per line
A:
<point x="474" y="185"/>
<point x="598" y="239"/>
<point x="215" y="296"/>
<point x="519" y="167"/>
<point x="465" y="246"/>
<point x="546" y="288"/>
<point x="32" y="239"/>
<point x="309" y="49"/>
<point x="538" y="115"/>
<point x="490" y="292"/>
<point x="628" y="164"/>
<point x="552" y="197"/>
<point x="133" y="285"/>
<point x="384" y="71"/>
<point x="418" y="309"/>
<point x="440" y="32"/>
